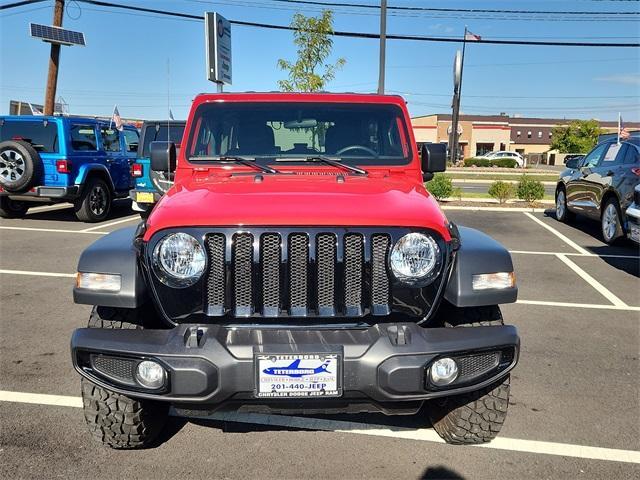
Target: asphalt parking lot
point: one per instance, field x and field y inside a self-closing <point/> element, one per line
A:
<point x="575" y="405"/>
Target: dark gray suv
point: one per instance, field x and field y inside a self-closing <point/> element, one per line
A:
<point x="600" y="185"/>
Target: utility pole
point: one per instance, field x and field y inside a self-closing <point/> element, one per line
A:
<point x="54" y="60"/>
<point x="383" y="45"/>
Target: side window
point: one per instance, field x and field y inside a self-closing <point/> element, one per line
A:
<point x="131" y="140"/>
<point x="592" y="159"/>
<point x="83" y="138"/>
<point x="632" y="156"/>
<point x="614" y="155"/>
<point x="110" y="139"/>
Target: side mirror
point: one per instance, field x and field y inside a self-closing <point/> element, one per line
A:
<point x="573" y="163"/>
<point x="163" y="156"/>
<point x="434" y="159"/>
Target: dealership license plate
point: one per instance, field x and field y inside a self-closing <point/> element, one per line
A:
<point x="298" y="375"/>
<point x="144" y="197"/>
<point x="634" y="233"/>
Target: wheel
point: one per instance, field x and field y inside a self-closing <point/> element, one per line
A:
<point x="116" y="420"/>
<point x="20" y="166"/>
<point x="475" y="417"/>
<point x="12" y="208"/>
<point x="610" y="221"/>
<point x="95" y="202"/>
<point x="562" y="211"/>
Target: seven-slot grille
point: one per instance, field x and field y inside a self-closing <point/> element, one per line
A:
<point x="297" y="274"/>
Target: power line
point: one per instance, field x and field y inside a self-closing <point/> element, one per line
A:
<point x="8" y="6"/>
<point x="364" y="35"/>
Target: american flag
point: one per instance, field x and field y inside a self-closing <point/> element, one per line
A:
<point x="623" y="134"/>
<point x="471" y="37"/>
<point x="34" y="110"/>
<point x="116" y="119"/>
<point x="171" y="115"/>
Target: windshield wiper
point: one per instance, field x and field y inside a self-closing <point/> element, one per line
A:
<point x="333" y="162"/>
<point x="250" y="162"/>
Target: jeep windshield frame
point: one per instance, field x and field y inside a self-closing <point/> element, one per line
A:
<point x="354" y="134"/>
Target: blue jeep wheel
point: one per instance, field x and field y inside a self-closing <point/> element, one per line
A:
<point x="94" y="204"/>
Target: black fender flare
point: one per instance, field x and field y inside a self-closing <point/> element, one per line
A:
<point x="478" y="253"/>
<point x="115" y="253"/>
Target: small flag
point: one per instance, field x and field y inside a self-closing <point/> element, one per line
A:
<point x="116" y="119"/>
<point x="623" y="133"/>
<point x="471" y="37"/>
<point x="171" y="115"/>
<point x="34" y="110"/>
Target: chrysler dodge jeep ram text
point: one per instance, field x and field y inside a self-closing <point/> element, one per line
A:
<point x="297" y="265"/>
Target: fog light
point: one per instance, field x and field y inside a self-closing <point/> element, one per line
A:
<point x="443" y="371"/>
<point x="150" y="374"/>
<point x="98" y="281"/>
<point x="499" y="280"/>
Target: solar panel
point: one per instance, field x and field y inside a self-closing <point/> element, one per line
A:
<point x="56" y="35"/>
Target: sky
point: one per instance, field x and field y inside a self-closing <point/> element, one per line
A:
<point x="143" y="62"/>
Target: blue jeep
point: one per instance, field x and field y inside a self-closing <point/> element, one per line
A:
<point x="64" y="159"/>
<point x="151" y="185"/>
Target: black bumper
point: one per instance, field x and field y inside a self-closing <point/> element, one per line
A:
<point x="209" y="365"/>
<point x="62" y="193"/>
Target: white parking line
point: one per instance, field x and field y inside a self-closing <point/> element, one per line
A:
<point x="571" y="254"/>
<point x="52" y="230"/>
<point x="602" y="290"/>
<point x="338" y="426"/>
<point x="38" y="274"/>
<point x="593" y="306"/>
<point x="561" y="236"/>
<point x="117" y="222"/>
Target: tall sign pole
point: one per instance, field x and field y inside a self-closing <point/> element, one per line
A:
<point x="217" y="32"/>
<point x="383" y="45"/>
<point x="54" y="60"/>
<point x="455" y="106"/>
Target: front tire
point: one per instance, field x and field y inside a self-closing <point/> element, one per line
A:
<point x="12" y="208"/>
<point x="611" y="222"/>
<point x="119" y="421"/>
<point x="562" y="211"/>
<point x="94" y="204"/>
<point x="475" y="417"/>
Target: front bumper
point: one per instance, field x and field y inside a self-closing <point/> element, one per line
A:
<point x="211" y="364"/>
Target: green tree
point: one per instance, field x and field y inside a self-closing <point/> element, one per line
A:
<point x="312" y="37"/>
<point x="579" y="136"/>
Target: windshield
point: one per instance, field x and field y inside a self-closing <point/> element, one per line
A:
<point x="354" y="133"/>
<point x="42" y="135"/>
<point x="161" y="133"/>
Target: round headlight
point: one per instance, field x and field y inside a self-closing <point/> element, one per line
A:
<point x="179" y="260"/>
<point x="414" y="258"/>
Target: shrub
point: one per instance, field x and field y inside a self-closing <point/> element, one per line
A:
<point x="502" y="191"/>
<point x="485" y="162"/>
<point x="440" y="187"/>
<point x="530" y="190"/>
<point x="457" y="193"/>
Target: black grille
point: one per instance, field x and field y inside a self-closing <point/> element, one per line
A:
<point x="243" y="275"/>
<point x="120" y="369"/>
<point x="296" y="274"/>
<point x="476" y="365"/>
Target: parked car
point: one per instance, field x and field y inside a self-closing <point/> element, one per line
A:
<point x="151" y="185"/>
<point x="600" y="186"/>
<point x="573" y="157"/>
<point x="298" y="264"/>
<point x="633" y="217"/>
<point x="64" y="159"/>
<point x="504" y="155"/>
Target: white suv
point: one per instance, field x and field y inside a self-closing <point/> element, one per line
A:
<point x="503" y="154"/>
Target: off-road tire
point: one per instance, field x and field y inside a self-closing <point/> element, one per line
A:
<point x="20" y="160"/>
<point x="563" y="214"/>
<point x="618" y="231"/>
<point x="116" y="420"/>
<point x="12" y="208"/>
<point x="475" y="417"/>
<point x="86" y="208"/>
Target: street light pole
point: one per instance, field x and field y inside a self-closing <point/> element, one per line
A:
<point x="54" y="60"/>
<point x="383" y="45"/>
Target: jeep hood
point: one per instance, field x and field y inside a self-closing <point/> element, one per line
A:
<point x="298" y="199"/>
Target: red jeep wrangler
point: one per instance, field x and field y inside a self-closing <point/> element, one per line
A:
<point x="298" y="265"/>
